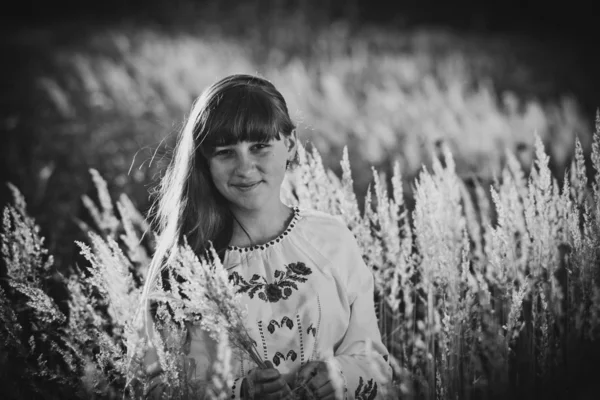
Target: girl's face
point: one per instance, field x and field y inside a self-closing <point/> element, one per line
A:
<point x="249" y="174"/>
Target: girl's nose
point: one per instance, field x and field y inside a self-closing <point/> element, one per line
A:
<point x="245" y="164"/>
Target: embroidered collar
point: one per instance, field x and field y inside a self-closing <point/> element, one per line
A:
<point x="278" y="239"/>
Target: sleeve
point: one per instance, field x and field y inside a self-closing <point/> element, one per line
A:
<point x="361" y="357"/>
<point x="200" y="354"/>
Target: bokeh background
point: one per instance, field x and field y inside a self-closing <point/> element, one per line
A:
<point x="106" y="85"/>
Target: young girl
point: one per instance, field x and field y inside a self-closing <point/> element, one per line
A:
<point x="308" y="291"/>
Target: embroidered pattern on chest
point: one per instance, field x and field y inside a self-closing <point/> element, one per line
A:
<point x="280" y="289"/>
<point x="366" y="392"/>
<point x="279" y="356"/>
<point x="285" y="321"/>
<point x="287" y="325"/>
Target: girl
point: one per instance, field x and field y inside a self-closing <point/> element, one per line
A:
<point x="308" y="291"/>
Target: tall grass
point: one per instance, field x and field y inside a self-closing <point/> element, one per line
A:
<point x="477" y="304"/>
<point x="391" y="95"/>
<point x="107" y="100"/>
<point x="485" y="261"/>
<point x="471" y="304"/>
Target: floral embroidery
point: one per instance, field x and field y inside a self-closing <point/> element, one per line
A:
<point x="280" y="289"/>
<point x="285" y="321"/>
<point x="311" y="329"/>
<point x="366" y="392"/>
<point x="279" y="356"/>
<point x="298" y="268"/>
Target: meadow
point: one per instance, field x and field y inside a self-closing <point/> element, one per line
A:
<point x="473" y="191"/>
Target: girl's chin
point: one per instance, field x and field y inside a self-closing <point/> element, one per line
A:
<point x="250" y="205"/>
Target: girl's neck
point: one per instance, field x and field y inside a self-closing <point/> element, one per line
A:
<point x="261" y="225"/>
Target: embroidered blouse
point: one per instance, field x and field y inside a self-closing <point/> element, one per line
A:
<point x="309" y="296"/>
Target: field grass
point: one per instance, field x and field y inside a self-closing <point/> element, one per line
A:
<point x="113" y="98"/>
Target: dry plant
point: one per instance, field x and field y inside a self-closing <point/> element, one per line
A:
<point x="481" y="293"/>
<point x="476" y="302"/>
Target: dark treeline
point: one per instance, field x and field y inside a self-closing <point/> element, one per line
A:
<point x="574" y="19"/>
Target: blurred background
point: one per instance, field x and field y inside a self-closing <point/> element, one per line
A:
<point x="107" y="84"/>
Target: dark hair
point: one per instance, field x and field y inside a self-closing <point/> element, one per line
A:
<point x="236" y="108"/>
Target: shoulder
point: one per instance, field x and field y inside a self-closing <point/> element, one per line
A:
<point x="322" y="221"/>
<point x="328" y="238"/>
<point x="325" y="231"/>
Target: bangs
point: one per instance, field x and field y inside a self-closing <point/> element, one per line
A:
<point x="242" y="115"/>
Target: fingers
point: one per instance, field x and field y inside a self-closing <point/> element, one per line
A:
<point x="319" y="383"/>
<point x="307" y="371"/>
<point x="265" y="375"/>
<point x="272" y="390"/>
<point x="325" y="392"/>
<point x="276" y="396"/>
<point x="270" y="386"/>
<point x="285" y="393"/>
<point x="330" y="396"/>
<point x="319" y="377"/>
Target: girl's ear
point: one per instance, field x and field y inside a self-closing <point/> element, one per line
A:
<point x="291" y="144"/>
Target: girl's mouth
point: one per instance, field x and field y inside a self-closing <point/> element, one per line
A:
<point x="245" y="187"/>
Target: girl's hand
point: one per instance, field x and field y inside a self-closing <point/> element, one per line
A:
<point x="314" y="376"/>
<point x="266" y="384"/>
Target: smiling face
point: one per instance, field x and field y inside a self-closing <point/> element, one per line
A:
<point x="246" y="136"/>
<point x="249" y="173"/>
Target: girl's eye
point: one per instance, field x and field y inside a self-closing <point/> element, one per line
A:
<point x="261" y="146"/>
<point x="223" y="152"/>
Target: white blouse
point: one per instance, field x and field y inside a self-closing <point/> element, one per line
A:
<point x="309" y="297"/>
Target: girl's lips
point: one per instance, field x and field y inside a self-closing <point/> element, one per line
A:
<point x="246" y="187"/>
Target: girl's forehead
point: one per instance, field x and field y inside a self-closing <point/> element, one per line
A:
<point x="248" y="141"/>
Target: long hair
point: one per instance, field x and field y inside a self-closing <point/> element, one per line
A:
<point x="236" y="108"/>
